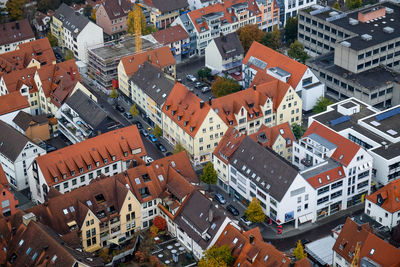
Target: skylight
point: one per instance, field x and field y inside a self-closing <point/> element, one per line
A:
<point x="137" y="180"/>
<point x="21" y="242"/>
<point x="65" y="211"/>
<point x="89" y="203"/>
<point x="160" y="177"/>
<point x="71" y="208"/>
<point x="235" y="240"/>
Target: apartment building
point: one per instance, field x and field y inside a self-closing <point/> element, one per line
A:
<point x="261" y="60"/>
<point x="270" y="102"/>
<point x="35" y="128"/>
<point x="11" y="104"/>
<point x="150" y="88"/>
<point x="76" y="165"/>
<point x="375" y="131"/>
<point x="28" y="242"/>
<point x="224" y="54"/>
<point x="195" y="4"/>
<point x="225" y="17"/>
<point x="339" y="170"/>
<point x="9" y="204"/>
<point x="176" y="38"/>
<point x="383" y="205"/>
<point x="359" y="241"/>
<point x="163" y="13"/>
<point x="359" y="51"/>
<point x="75" y="32"/>
<point x="161" y="58"/>
<point x="80" y="118"/>
<point x="17" y="153"/>
<point x="291" y="8"/>
<point x="112" y="16"/>
<point x="194" y="124"/>
<point x="15" y="33"/>
<point x="278" y="138"/>
<point x="101" y="213"/>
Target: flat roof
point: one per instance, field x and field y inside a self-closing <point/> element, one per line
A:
<point x="389" y="125"/>
<point x="321" y="250"/>
<point x="330" y="165"/>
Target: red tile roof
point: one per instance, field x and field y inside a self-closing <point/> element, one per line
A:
<point x="346" y="149"/>
<point x="255" y="254"/>
<point x="12" y="102"/>
<point x="371" y="246"/>
<point x="16" y="79"/>
<point x="88" y="152"/>
<point x="183" y="107"/>
<point x="16" y="31"/>
<point x="272" y="133"/>
<point x="276" y="59"/>
<point x="171" y="35"/>
<point x="391" y="196"/>
<point x="251" y="99"/>
<point x="228" y="144"/>
<point x="159" y="57"/>
<point x="117" y="9"/>
<point x="333" y="174"/>
<point x="221" y="7"/>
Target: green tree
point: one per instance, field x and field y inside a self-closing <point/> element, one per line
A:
<point x="157" y="131"/>
<point x="114" y="94"/>
<point x="224" y="86"/>
<point x="93" y="16"/>
<point x="134" y="111"/>
<point x="290" y="30"/>
<point x="272" y="39"/>
<point x="353" y="4"/>
<point x="296" y="51"/>
<point x="149" y="29"/>
<point x="15" y="9"/>
<point x="209" y="175"/>
<point x="254" y="212"/>
<point x="221" y="255"/>
<point x="321" y="104"/>
<point x="69" y="55"/>
<point x="131" y="21"/>
<point x="204" y="73"/>
<point x="87" y="10"/>
<point x="178" y="148"/>
<point x="211" y="262"/>
<point x="336" y="5"/>
<point x="248" y="34"/>
<point x="298" y="130"/>
<point x="52" y="39"/>
<point x="298" y="252"/>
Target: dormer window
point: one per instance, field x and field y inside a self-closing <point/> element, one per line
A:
<point x="97" y="163"/>
<point x="179" y="118"/>
<point x="125" y="154"/>
<point x="173" y="112"/>
<point x="89" y="167"/>
<point x="72" y="173"/>
<point x="105" y="161"/>
<point x="166" y="107"/>
<point x="185" y="123"/>
<point x="64" y="175"/>
<point x="80" y="170"/>
<point x="191" y="129"/>
<point x="113" y="157"/>
<point x="56" y="179"/>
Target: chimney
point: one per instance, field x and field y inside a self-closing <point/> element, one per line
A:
<point x="251" y="239"/>
<point x="17" y="25"/>
<point x="210" y="215"/>
<point x="210" y="100"/>
<point x="201" y="104"/>
<point x="28" y="217"/>
<point x="254" y="87"/>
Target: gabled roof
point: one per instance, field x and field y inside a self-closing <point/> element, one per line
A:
<point x="170" y="35"/>
<point x="263" y="167"/>
<point x="16" y="31"/>
<point x="166" y="6"/>
<point x="24" y="120"/>
<point x="326" y="174"/>
<point x="12" y="142"/>
<point x="371" y="247"/>
<point x="388" y="197"/>
<point x="12" y="102"/>
<point x="228" y="144"/>
<point x="184" y="108"/>
<point x="266" y="136"/>
<point x="73" y="21"/>
<point x="117" y="9"/>
<point x="153" y="81"/>
<point x="276" y="59"/>
<point x="18" y="78"/>
<point x="160" y="57"/>
<point x="255" y="254"/>
<point x="88" y="152"/>
<point x="229" y="45"/>
<point x="250" y="99"/>
<point x="346" y="149"/>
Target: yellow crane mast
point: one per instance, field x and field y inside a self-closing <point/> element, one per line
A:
<point x="138" y="28"/>
<point x="356" y="259"/>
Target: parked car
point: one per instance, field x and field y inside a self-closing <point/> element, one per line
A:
<point x="138" y="125"/>
<point x="205" y="89"/>
<point x="198" y="85"/>
<point x="191" y="78"/>
<point x="218" y="197"/>
<point x="245" y="221"/>
<point x="120" y="108"/>
<point x="128" y="115"/>
<point x="232" y="210"/>
<point x="161" y="147"/>
<point x="152" y="138"/>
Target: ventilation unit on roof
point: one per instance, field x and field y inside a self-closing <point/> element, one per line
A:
<point x="333" y="13"/>
<point x="389" y="10"/>
<point x="366" y="37"/>
<point x="345" y="43"/>
<point x="353" y="21"/>
<point x="388" y="29"/>
<point x="320" y="10"/>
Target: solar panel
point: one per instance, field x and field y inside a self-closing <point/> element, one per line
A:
<point x="388" y="114"/>
<point x="340" y="120"/>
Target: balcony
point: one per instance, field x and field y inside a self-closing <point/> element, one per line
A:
<point x="307" y="162"/>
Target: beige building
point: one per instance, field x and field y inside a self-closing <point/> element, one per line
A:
<point x="193" y="123"/>
<point x="102" y="213"/>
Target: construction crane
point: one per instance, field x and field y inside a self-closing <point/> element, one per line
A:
<point x="356" y="258"/>
<point x="138" y="28"/>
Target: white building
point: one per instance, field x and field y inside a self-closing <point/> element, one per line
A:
<point x="14" y="33"/>
<point x="11" y="104"/>
<point x="17" y="153"/>
<point x="197" y="4"/>
<point x="263" y="59"/>
<point x="378" y="132"/>
<point x="384" y="206"/>
<point x="290" y="8"/>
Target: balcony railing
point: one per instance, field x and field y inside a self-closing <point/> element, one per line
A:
<point x="307" y="162"/>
